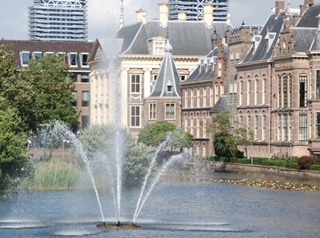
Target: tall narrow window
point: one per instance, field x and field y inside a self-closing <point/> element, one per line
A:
<point x="135" y="83"/>
<point x="170" y="111"/>
<point x="318" y="125"/>
<point x="85" y="121"/>
<point x="152" y="111"/>
<point x="135" y="116"/>
<point x="264" y="127"/>
<point x="280" y="92"/>
<point x="84" y="58"/>
<point x="285" y="91"/>
<point x="256" y="126"/>
<point x="303" y="128"/>
<point x="318" y="84"/>
<point x="37" y="55"/>
<point x="74" y="99"/>
<point x="285" y="124"/>
<point x="256" y="92"/>
<point x="85" y="98"/>
<point x="303" y="91"/>
<point x="248" y="92"/>
<point x="290" y="91"/>
<point x="264" y="90"/>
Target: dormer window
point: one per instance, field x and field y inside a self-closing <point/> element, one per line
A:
<point x="157" y="44"/>
<point x="84" y="60"/>
<point x="73" y="59"/>
<point x="36" y="55"/>
<point x="25" y="58"/>
<point x="270" y="37"/>
<point x="256" y="41"/>
<point x="169" y="88"/>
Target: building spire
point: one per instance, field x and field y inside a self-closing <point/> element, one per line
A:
<point x="121" y="14"/>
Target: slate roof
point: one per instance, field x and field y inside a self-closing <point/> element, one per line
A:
<point x="222" y="105"/>
<point x="303" y="38"/>
<point x="309" y="18"/>
<point x="315" y="45"/>
<point x="47" y="46"/>
<point x="186" y="37"/>
<point x="205" y="69"/>
<point x="263" y="52"/>
<point x="168" y="76"/>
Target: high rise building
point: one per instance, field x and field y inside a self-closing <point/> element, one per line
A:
<point x="58" y="20"/>
<point x="194" y="9"/>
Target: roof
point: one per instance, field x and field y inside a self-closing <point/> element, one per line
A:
<point x="304" y="38"/>
<point x="222" y="105"/>
<point x="136" y="36"/>
<point x="47" y="46"/>
<point x="168" y="77"/>
<point x="310" y="17"/>
<point x="205" y="69"/>
<point x="264" y="50"/>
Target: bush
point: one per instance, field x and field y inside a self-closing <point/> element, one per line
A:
<point x="315" y="167"/>
<point x="304" y="162"/>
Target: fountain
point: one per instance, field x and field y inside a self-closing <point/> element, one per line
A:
<point x="115" y="169"/>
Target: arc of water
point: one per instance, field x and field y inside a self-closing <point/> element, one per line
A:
<point x="78" y="145"/>
<point x="163" y="145"/>
<point x="155" y="181"/>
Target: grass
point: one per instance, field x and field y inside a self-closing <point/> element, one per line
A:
<point x="54" y="174"/>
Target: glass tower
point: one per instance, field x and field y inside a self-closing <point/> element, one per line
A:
<point x="64" y="20"/>
<point x="194" y="9"/>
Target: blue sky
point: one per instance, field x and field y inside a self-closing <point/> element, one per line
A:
<point x="103" y="15"/>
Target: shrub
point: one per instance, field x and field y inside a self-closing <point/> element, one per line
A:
<point x="315" y="167"/>
<point x="304" y="162"/>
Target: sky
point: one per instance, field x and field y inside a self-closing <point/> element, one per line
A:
<point x="103" y="15"/>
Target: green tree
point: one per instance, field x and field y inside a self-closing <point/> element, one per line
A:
<point x="156" y="133"/>
<point x="226" y="138"/>
<point x="13" y="145"/>
<point x="42" y="92"/>
<point x="100" y="139"/>
<point x="48" y="87"/>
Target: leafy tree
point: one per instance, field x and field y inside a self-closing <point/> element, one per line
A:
<point x="227" y="139"/>
<point x="156" y="133"/>
<point x="50" y="88"/>
<point x="42" y="92"/>
<point x="13" y="145"/>
<point x="100" y="139"/>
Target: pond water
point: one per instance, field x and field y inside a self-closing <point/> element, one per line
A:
<point x="176" y="208"/>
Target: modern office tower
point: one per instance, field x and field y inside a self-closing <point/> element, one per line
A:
<point x="194" y="9"/>
<point x="58" y="20"/>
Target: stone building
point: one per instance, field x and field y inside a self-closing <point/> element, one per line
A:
<point x="277" y="84"/>
<point x="140" y="53"/>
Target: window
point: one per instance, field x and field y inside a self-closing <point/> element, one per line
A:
<point x="85" y="78"/>
<point x="73" y="59"/>
<point x="285" y="91"/>
<point x="256" y="126"/>
<point x="318" y="125"/>
<point x="85" y="98"/>
<point x="37" y="55"/>
<point x="169" y="88"/>
<point x="256" y="89"/>
<point x="280" y="92"/>
<point x="318" y="84"/>
<point x="84" y="58"/>
<point x="74" y="99"/>
<point x="158" y="48"/>
<point x="285" y="124"/>
<point x="85" y="122"/>
<point x="170" y="111"/>
<point x="135" y="116"/>
<point x="135" y="83"/>
<point x="74" y="77"/>
<point x="152" y="111"/>
<point x="303" y="91"/>
<point x="25" y="58"/>
<point x="264" y="90"/>
<point x="303" y="128"/>
<point x="264" y="127"/>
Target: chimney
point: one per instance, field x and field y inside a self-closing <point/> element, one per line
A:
<point x="279" y="6"/>
<point x="182" y="16"/>
<point x="141" y="16"/>
<point x="164" y="14"/>
<point x="309" y="2"/>
<point x="208" y="15"/>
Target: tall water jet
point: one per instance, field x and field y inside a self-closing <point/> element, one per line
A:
<point x="62" y="130"/>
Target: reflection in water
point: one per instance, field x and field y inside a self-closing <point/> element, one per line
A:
<point x="177" y="208"/>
